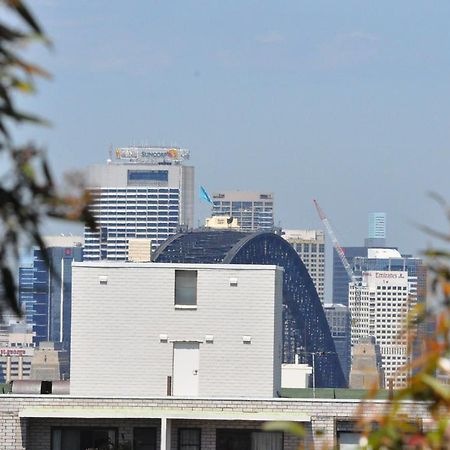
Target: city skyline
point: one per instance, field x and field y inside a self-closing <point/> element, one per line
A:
<point x="321" y="102"/>
<point x="185" y="290"/>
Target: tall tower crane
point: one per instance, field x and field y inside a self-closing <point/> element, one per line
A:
<point x="345" y="263"/>
<point x="340" y="252"/>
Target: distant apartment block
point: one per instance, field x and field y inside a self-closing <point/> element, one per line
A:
<point x="144" y="193"/>
<point x="310" y="246"/>
<point x="253" y="210"/>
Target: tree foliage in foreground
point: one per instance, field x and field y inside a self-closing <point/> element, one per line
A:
<point x="27" y="190"/>
<point x="431" y="371"/>
<point x="28" y="196"/>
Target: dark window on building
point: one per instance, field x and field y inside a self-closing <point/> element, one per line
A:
<point x="74" y="438"/>
<point x="144" y="438"/>
<point x="189" y="439"/>
<point x="235" y="439"/>
<point x="185" y="287"/>
<point x="138" y="176"/>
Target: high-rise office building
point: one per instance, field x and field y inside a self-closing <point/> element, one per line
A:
<point x="26" y="298"/>
<point x="310" y="246"/>
<point x="52" y="290"/>
<point x="390" y="259"/>
<point x="338" y="318"/>
<point x="377" y="230"/>
<point x="385" y="259"/>
<point x="253" y="210"/>
<point x="379" y="307"/>
<point x="376" y="239"/>
<point x="340" y="276"/>
<point x="145" y="192"/>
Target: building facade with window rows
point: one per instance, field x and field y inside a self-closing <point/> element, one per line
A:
<point x="253" y="210"/>
<point x="129" y="201"/>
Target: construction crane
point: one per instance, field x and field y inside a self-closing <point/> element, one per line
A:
<point x="342" y="257"/>
<point x="339" y="251"/>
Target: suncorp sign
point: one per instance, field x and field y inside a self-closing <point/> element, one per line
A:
<point x="8" y="351"/>
<point x="152" y="154"/>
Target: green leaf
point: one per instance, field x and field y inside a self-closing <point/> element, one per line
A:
<point x="438" y="387"/>
<point x="23" y="86"/>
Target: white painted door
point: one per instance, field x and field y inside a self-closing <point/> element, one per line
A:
<point x="185" y="368"/>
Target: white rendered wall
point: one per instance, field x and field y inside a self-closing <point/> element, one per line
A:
<point x="117" y="348"/>
<point x="295" y="375"/>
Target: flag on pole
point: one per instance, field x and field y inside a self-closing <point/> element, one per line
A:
<point x="205" y="196"/>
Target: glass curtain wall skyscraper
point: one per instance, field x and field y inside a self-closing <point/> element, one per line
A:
<point x="145" y="193"/>
<point x="377" y="230"/>
<point x="338" y="317"/>
<point x="26" y="298"/>
<point x="376" y="239"/>
<point x="52" y="292"/>
<point x="340" y="276"/>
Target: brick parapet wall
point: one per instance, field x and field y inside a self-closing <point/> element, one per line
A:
<point x="336" y="407"/>
<point x="325" y="414"/>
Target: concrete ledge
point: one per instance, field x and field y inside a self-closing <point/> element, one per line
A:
<point x="158" y="413"/>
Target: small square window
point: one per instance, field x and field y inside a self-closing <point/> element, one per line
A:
<point x="185" y="287"/>
<point x="189" y="439"/>
<point x="144" y="438"/>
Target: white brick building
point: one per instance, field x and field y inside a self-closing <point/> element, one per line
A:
<point x="193" y="329"/>
<point x="133" y="323"/>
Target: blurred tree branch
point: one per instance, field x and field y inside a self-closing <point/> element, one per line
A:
<point x="27" y="190"/>
<point x="431" y="375"/>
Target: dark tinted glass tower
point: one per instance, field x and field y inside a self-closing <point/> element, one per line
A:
<point x="338" y="317"/>
<point x="340" y="277"/>
<point x="26" y="298"/>
<point x="52" y="293"/>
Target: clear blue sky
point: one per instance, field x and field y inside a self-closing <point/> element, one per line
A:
<point x="344" y="101"/>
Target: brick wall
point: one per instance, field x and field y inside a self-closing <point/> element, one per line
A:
<point x="34" y="433"/>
